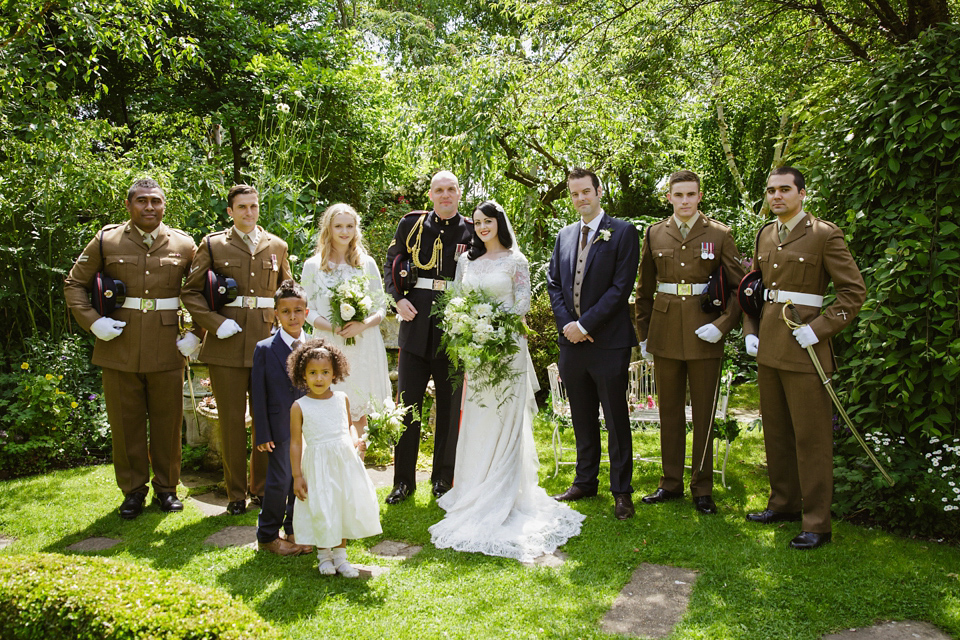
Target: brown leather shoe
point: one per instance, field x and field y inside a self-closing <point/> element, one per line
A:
<point x="280" y="547"/>
<point x="307" y="548"/>
<point x="573" y="493"/>
<point x="623" y="506"/>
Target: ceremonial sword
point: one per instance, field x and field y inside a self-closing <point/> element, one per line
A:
<point x="793" y="325"/>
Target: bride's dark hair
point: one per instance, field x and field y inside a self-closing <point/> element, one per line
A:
<point x="491" y="209"/>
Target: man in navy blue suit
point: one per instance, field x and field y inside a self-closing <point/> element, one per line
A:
<point x="590" y="278"/>
<point x="272" y="394"/>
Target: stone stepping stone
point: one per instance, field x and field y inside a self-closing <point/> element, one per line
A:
<point x="394" y="549"/>
<point x="552" y="560"/>
<point x="383" y="476"/>
<point x="652" y="603"/>
<point x="215" y="504"/>
<point x="6" y="541"/>
<point x="234" y="536"/>
<point x="193" y="479"/>
<point x="895" y="630"/>
<point x="95" y="543"/>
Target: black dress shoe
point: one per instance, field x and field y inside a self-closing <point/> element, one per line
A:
<point x="440" y="487"/>
<point x="168" y="502"/>
<point x="574" y="493"/>
<point x="705" y="504"/>
<point x="661" y="495"/>
<point x="400" y="493"/>
<point x="768" y="516"/>
<point x="623" y="506"/>
<point x="237" y="507"/>
<point x="132" y="505"/>
<point x="807" y="540"/>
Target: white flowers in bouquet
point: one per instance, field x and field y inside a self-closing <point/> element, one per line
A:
<point x="351" y="299"/>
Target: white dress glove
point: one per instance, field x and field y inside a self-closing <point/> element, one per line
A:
<point x="107" y="328"/>
<point x="709" y="333"/>
<point x="188" y="345"/>
<point x="753" y="343"/>
<point x="644" y="353"/>
<point x="805" y="336"/>
<point x="228" y="328"/>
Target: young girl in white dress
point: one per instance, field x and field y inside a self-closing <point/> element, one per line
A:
<point x="337" y="498"/>
<point x="340" y="256"/>
<point x="496" y="506"/>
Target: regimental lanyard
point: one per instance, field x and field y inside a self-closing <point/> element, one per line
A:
<point x="706" y="251"/>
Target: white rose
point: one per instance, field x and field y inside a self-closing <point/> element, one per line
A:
<point x="482" y="310"/>
<point x="347" y="311"/>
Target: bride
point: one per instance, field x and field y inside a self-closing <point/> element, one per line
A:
<point x="496" y="506"/>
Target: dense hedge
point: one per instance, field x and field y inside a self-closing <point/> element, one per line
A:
<point x="890" y="157"/>
<point x="46" y="596"/>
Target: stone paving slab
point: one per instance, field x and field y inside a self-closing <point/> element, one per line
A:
<point x="234" y="536"/>
<point x="895" y="630"/>
<point x="192" y="479"/>
<point x="394" y="549"/>
<point x="214" y="503"/>
<point x="383" y="476"/>
<point x="6" y="541"/>
<point x="95" y="543"/>
<point x="552" y="560"/>
<point x="652" y="603"/>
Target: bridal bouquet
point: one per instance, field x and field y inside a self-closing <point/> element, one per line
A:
<point x="351" y="300"/>
<point x="384" y="427"/>
<point x="480" y="335"/>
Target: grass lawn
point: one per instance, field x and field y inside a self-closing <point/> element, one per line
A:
<point x="750" y="585"/>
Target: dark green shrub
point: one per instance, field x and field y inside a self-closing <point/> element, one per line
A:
<point x="46" y="596"/>
<point x="542" y="342"/>
<point x="889" y="151"/>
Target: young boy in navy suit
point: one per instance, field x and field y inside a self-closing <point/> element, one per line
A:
<point x="273" y="394"/>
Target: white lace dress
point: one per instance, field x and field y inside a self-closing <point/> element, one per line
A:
<point x="496" y="506"/>
<point x="368" y="384"/>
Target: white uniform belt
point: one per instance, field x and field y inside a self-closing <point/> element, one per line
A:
<point x="681" y="289"/>
<point x="152" y="304"/>
<point x="804" y="299"/>
<point x="251" y="302"/>
<point x="430" y="283"/>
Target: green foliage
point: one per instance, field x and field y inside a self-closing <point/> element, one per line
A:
<point x="51" y="408"/>
<point x="192" y="458"/>
<point x="542" y="339"/>
<point x="52" y="596"/>
<point x="889" y="158"/>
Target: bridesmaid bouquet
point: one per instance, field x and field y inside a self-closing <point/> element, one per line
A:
<point x="384" y="427"/>
<point x="480" y="335"/>
<point x="350" y="300"/>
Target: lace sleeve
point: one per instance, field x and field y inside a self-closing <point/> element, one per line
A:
<point x="521" y="285"/>
<point x="461" y="269"/>
<point x="376" y="286"/>
<point x="315" y="284"/>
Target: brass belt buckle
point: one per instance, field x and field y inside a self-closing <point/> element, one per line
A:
<point x="684" y="289"/>
<point x="439" y="285"/>
<point x="147" y="304"/>
<point x="249" y="302"/>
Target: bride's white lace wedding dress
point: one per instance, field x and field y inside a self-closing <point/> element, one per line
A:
<point x="496" y="506"/>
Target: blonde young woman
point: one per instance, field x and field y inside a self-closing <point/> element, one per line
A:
<point x="341" y="255"/>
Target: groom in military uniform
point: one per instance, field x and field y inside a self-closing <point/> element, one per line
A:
<point x="426" y="246"/>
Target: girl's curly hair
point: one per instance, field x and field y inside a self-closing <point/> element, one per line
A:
<point x="316" y="349"/>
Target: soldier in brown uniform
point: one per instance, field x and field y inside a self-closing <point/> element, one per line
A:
<point x="798" y="255"/>
<point x="257" y="260"/>
<point x="679" y="254"/>
<point x="137" y="345"/>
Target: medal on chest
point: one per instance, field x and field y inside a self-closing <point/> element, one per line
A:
<point x="706" y="251"/>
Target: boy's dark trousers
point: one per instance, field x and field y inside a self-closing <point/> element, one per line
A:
<point x="278" y="496"/>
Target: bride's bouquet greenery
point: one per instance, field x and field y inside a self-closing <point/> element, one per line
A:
<point x="480" y="336"/>
<point x="351" y="299"/>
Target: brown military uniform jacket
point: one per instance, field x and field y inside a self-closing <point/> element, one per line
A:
<point x="258" y="275"/>
<point x="148" y="341"/>
<point x="813" y="255"/>
<point x="669" y="322"/>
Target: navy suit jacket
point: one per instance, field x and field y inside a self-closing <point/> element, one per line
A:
<point x="611" y="271"/>
<point x="271" y="390"/>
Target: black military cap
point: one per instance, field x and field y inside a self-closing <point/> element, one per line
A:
<point x="219" y="290"/>
<point x="404" y="274"/>
<point x="107" y="294"/>
<point x="750" y="294"/>
<point x="714" y="297"/>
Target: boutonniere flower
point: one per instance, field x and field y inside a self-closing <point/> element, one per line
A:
<point x="603" y="235"/>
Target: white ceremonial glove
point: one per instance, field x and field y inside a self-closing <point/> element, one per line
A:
<point x="188" y="345"/>
<point x="228" y="328"/>
<point x="805" y="336"/>
<point x="107" y="328"/>
<point x="709" y="333"/>
<point x="753" y="343"/>
<point x="644" y="353"/>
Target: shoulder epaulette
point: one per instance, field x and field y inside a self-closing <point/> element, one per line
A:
<point x="108" y="227"/>
<point x="415" y="213"/>
<point x="181" y="232"/>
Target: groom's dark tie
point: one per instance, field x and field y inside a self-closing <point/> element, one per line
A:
<point x="584" y="232"/>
